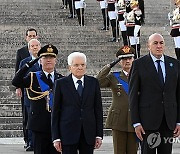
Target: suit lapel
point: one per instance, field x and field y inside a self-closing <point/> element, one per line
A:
<point x="123" y="76"/>
<point x="149" y="64"/>
<point x="72" y="90"/>
<point x="168" y="68"/>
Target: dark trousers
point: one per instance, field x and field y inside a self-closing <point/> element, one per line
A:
<point x="105" y="17"/>
<point x="65" y="2"/>
<point x="43" y="143"/>
<point x="81" y="146"/>
<point x="71" y="7"/>
<point x="158" y="140"/>
<point x="25" y="117"/>
<point x="80" y="15"/>
<point x="115" y="29"/>
<point x="30" y="139"/>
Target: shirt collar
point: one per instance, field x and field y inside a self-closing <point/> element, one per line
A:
<point x="46" y="73"/>
<point x="126" y="73"/>
<point x="76" y="79"/>
<point x="33" y="57"/>
<point x="154" y="58"/>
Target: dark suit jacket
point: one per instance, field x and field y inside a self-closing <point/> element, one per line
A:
<point x="149" y="101"/>
<point x="34" y="68"/>
<point x="39" y="117"/>
<point x="20" y="55"/>
<point x="70" y="115"/>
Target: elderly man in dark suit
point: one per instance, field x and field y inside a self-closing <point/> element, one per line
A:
<point x="39" y="87"/>
<point x="154" y="95"/>
<point x="21" y="54"/>
<point x="118" y="118"/>
<point x="77" y="117"/>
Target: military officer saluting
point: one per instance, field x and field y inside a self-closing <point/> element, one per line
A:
<point x="39" y="87"/>
<point x="118" y="119"/>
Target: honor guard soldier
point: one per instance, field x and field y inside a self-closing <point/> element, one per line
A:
<point x="80" y="5"/>
<point x="134" y="20"/>
<point x="112" y="13"/>
<point x="39" y="87"/>
<point x="175" y="25"/>
<point x="103" y="5"/>
<point x="121" y="11"/>
<point x="118" y="119"/>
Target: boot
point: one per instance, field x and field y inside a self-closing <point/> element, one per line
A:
<point x="177" y="51"/>
<point x="135" y="54"/>
<point x="115" y="30"/>
<point x="138" y="50"/>
<point x="124" y="36"/>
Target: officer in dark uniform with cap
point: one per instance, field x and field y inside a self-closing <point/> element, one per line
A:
<point x="39" y="87"/>
<point x="119" y="120"/>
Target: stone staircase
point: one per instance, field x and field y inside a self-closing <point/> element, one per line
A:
<point x="53" y="26"/>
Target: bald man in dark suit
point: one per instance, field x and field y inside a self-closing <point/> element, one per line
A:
<point x="154" y="95"/>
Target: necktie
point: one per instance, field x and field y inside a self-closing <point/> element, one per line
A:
<point x="50" y="83"/>
<point x="160" y="74"/>
<point x="80" y="87"/>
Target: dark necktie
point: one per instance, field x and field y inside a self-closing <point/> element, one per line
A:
<point x="50" y="83"/>
<point x="80" y="87"/>
<point x="160" y="73"/>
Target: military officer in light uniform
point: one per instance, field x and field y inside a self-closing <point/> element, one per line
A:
<point x="103" y="4"/>
<point x="80" y="5"/>
<point x="124" y="140"/>
<point x="134" y="20"/>
<point x="175" y="25"/>
<point x="39" y="87"/>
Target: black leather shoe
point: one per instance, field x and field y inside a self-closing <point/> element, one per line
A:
<point x="70" y="16"/>
<point x="113" y="39"/>
<point x="104" y="28"/>
<point x="26" y="145"/>
<point x="29" y="148"/>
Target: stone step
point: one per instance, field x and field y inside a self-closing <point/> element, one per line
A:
<point x="9" y="113"/>
<point x="11" y="126"/>
<point x="9" y="120"/>
<point x="19" y="133"/>
<point x="11" y="133"/>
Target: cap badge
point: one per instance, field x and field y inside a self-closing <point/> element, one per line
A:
<point x="126" y="49"/>
<point x="50" y="49"/>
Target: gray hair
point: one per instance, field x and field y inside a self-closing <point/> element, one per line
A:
<point x="31" y="41"/>
<point x="75" y="54"/>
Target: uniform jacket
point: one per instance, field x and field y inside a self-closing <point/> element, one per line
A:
<point x="39" y="118"/>
<point x="20" y="55"/>
<point x="119" y="115"/>
<point x="71" y="114"/>
<point x="34" y="68"/>
<point x="149" y="101"/>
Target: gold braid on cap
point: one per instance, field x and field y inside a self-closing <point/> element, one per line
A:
<point x="41" y="94"/>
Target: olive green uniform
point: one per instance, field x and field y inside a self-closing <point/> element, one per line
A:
<point x="118" y="118"/>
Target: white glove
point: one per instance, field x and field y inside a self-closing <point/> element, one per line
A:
<point x="136" y="30"/>
<point x="170" y="16"/>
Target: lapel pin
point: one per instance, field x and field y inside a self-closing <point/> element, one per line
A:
<point x="171" y="64"/>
